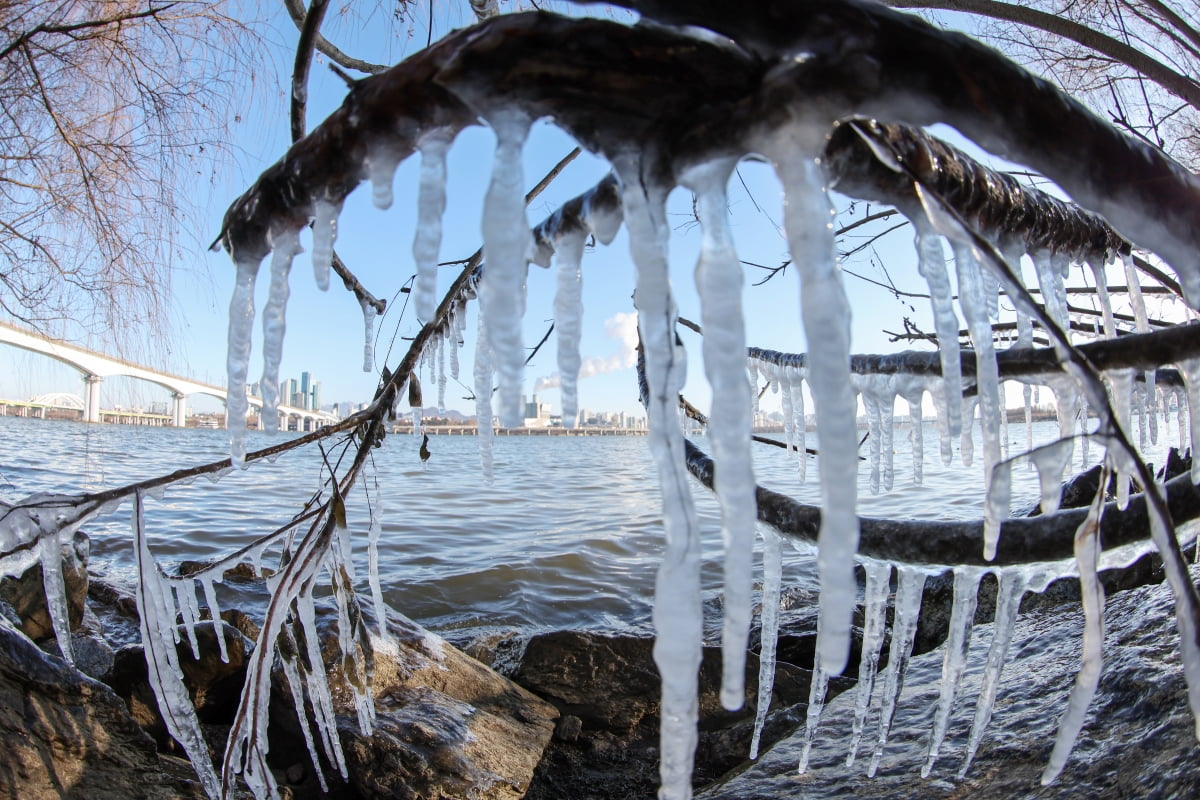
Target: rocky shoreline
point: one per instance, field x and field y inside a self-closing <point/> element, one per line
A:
<point x="575" y="715"/>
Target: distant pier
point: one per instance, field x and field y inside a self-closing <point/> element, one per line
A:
<point x="469" y="430"/>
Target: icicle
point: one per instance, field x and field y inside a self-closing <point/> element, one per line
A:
<point x="381" y="171"/>
<point x="295" y="684"/>
<point x="483" y="398"/>
<point x="1008" y="602"/>
<point x="458" y="320"/>
<point x="912" y="389"/>
<point x="157" y="623"/>
<point x="241" y="321"/>
<point x="568" y="320"/>
<point x="973" y="300"/>
<point x="214" y="613"/>
<point x="1121" y="383"/>
<point x="318" y="684"/>
<point x="997" y="507"/>
<point x="324" y="235"/>
<point x="286" y="244"/>
<point x="826" y="316"/>
<point x="769" y="635"/>
<point x="875" y="596"/>
<point x="786" y="407"/>
<point x="870" y="399"/>
<point x="954" y="660"/>
<point x="189" y="611"/>
<point x="911" y="583"/>
<point x="50" y="556"/>
<point x="932" y="266"/>
<point x="368" y="335"/>
<point x="966" y="442"/>
<point x="1051" y="461"/>
<point x="1054" y="293"/>
<point x="353" y="669"/>
<point x="1087" y="557"/>
<point x="1190" y="369"/>
<point x="441" y="375"/>
<point x="677" y="611"/>
<point x="799" y="424"/>
<point x="381" y="609"/>
<point x="1004" y="449"/>
<point x="1083" y="423"/>
<point x="506" y="244"/>
<point x="718" y="278"/>
<point x="752" y="377"/>
<point x="1027" y="393"/>
<point x="945" y="445"/>
<point x="1100" y="274"/>
<point x="817" y="690"/>
<point x="431" y="205"/>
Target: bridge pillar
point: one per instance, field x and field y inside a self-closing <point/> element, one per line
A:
<point x="180" y="412"/>
<point x="91" y="398"/>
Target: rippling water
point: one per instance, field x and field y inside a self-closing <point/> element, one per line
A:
<point x="567" y="536"/>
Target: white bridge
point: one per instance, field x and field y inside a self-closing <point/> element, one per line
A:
<point x="95" y="367"/>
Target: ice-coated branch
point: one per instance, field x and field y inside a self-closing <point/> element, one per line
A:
<point x="1023" y="540"/>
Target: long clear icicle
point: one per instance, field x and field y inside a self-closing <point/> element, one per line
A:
<point x="719" y="282"/>
<point x="875" y="596"/>
<point x="974" y="302"/>
<point x="286" y="246"/>
<point x="1142" y="321"/>
<point x="910" y="584"/>
<point x="931" y="264"/>
<point x="368" y="312"/>
<point x="826" y="316"/>
<point x="912" y="389"/>
<point x="1190" y="369"/>
<point x="157" y="623"/>
<point x="431" y="205"/>
<point x="568" y="320"/>
<point x="769" y="636"/>
<point x="1087" y="557"/>
<point x="324" y="235"/>
<point x="506" y="245"/>
<point x="954" y="660"/>
<point x="817" y="689"/>
<point x="1008" y="602"/>
<point x="799" y="423"/>
<point x="50" y="556"/>
<point x="483" y="397"/>
<point x="237" y="359"/>
<point x="677" y="611"/>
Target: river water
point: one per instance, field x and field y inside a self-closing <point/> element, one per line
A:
<point x="567" y="536"/>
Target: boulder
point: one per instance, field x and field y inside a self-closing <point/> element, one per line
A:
<point x="64" y="735"/>
<point x="1138" y="738"/>
<point x="446" y="725"/>
<point x="27" y="595"/>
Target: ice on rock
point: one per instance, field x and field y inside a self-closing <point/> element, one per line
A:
<point x="826" y="317"/>
<point x="875" y="596"/>
<point x="286" y="245"/>
<point x="772" y="585"/>
<point x="677" y="610"/>
<point x="431" y="205"/>
<point x="931" y="264"/>
<point x="719" y="283"/>
<point x="237" y="360"/>
<point x="568" y="320"/>
<point x="954" y="659"/>
<point x="1008" y="602"/>
<point x="325" y="219"/>
<point x="910" y="584"/>
<point x="506" y="245"/>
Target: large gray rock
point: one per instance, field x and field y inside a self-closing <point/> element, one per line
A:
<point x="63" y="735"/>
<point x="447" y="726"/>
<point x="1138" y="740"/>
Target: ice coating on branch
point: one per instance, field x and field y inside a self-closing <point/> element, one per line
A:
<point x="483" y="398"/>
<point x="286" y="244"/>
<point x="931" y="263"/>
<point x="954" y="659"/>
<point x="875" y="596"/>
<point x="602" y="219"/>
<point x="368" y="312"/>
<point x="157" y="624"/>
<point x="1087" y="557"/>
<point x="719" y="282"/>
<point x="974" y="302"/>
<point x="295" y="684"/>
<point x="318" y="682"/>
<point x="769" y="636"/>
<point x="826" y="316"/>
<point x="325" y="221"/>
<point x="431" y="205"/>
<point x="381" y="171"/>
<point x="910" y="584"/>
<point x="506" y="245"/>
<point x="1190" y="369"/>
<point x="1008" y="601"/>
<point x="677" y="610"/>
<point x="568" y="320"/>
<point x="237" y="359"/>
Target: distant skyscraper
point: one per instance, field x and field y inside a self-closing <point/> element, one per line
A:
<point x="315" y="396"/>
<point x="305" y="388"/>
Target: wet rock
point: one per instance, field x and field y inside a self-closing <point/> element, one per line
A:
<point x="1138" y="739"/>
<point x="27" y="595"/>
<point x="63" y="735"/>
<point x="446" y="725"/>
